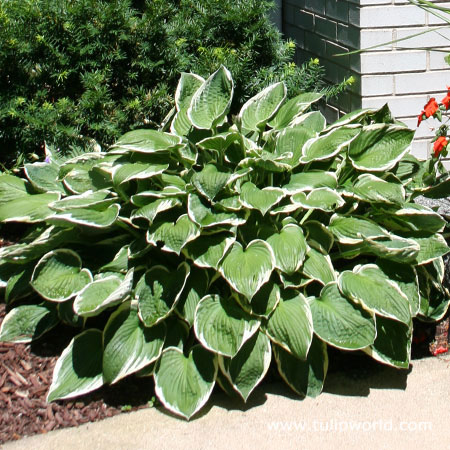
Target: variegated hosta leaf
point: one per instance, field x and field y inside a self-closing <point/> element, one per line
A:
<point x="257" y="111"/>
<point x="380" y="146"/>
<point x="209" y="251"/>
<point x="186" y="88"/>
<point x="102" y="294"/>
<point x="145" y="197"/>
<point x="211" y="102"/>
<point x="266" y="300"/>
<point x="247" y="270"/>
<point x="295" y="281"/>
<point x="18" y="284"/>
<point x="222" y="326"/>
<point x="307" y="181"/>
<point x="26" y="323"/>
<point x="28" y="209"/>
<point x="58" y="275"/>
<point x="290" y="325"/>
<point x="184" y="384"/>
<point x="210" y="181"/>
<point x="147" y="141"/>
<point x="319" y="267"/>
<point x="195" y="289"/>
<point x="146" y="214"/>
<point x="128" y="345"/>
<point x="261" y="199"/>
<point x="12" y="188"/>
<point x="177" y="332"/>
<point x="74" y="374"/>
<point x="306" y="378"/>
<point x="292" y="140"/>
<point x="289" y="247"/>
<point x="395" y="249"/>
<point x="393" y="343"/>
<point x="136" y="171"/>
<point x="340" y="322"/>
<point x="324" y="199"/>
<point x="293" y="108"/>
<point x="158" y="292"/>
<point x="431" y="247"/>
<point x="314" y="121"/>
<point x="369" y="286"/>
<point x="88" y="217"/>
<point x="318" y="236"/>
<point x="268" y="161"/>
<point x="206" y="217"/>
<point x="353" y="230"/>
<point x="44" y="177"/>
<point x="370" y="188"/>
<point x="175" y="236"/>
<point x="330" y="144"/>
<point x="219" y="142"/>
<point x="119" y="263"/>
<point x="249" y="366"/>
<point x="80" y="180"/>
<point x="418" y="217"/>
<point x="93" y="199"/>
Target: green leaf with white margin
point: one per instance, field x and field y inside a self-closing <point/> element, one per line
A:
<point x="12" y="188"/>
<point x="258" y="110"/>
<point x="147" y="141"/>
<point x="306" y="378"/>
<point x="209" y="251"/>
<point x="314" y="121"/>
<point x="354" y="230"/>
<point x="175" y="236"/>
<point x="395" y="249"/>
<point x="158" y="292"/>
<point x="330" y="144"/>
<point x="145" y="197"/>
<point x="307" y="181"/>
<point x="222" y="326"/>
<point x="89" y="199"/>
<point x="266" y="300"/>
<point x="119" y="263"/>
<point x="128" y="344"/>
<point x="206" y="217"/>
<point x="211" y="102"/>
<point x="79" y="181"/>
<point x="210" y="181"/>
<point x="324" y="199"/>
<point x="292" y="140"/>
<point x="431" y="247"/>
<point x="195" y="289"/>
<point x="74" y="374"/>
<point x="102" y="294"/>
<point x="318" y="236"/>
<point x="249" y="366"/>
<point x="369" y="286"/>
<point x="219" y="142"/>
<point x="28" y="209"/>
<point x="319" y="267"/>
<point x="289" y="247"/>
<point x="247" y="270"/>
<point x="44" y="177"/>
<point x="136" y="171"/>
<point x="58" y="275"/>
<point x="18" y="285"/>
<point x="418" y="217"/>
<point x="88" y="217"/>
<point x="145" y="215"/>
<point x="339" y="322"/>
<point x="293" y="108"/>
<point x="26" y="323"/>
<point x="370" y="188"/>
<point x="379" y="147"/>
<point x="295" y="281"/>
<point x="184" y="384"/>
<point x="261" y="199"/>
<point x="393" y="343"/>
<point x="290" y="325"/>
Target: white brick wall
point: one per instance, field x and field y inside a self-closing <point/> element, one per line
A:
<point x="402" y="74"/>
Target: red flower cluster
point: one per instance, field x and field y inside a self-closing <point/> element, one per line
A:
<point x="439" y="144"/>
<point x="446" y="100"/>
<point x="429" y="110"/>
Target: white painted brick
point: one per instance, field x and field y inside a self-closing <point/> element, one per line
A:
<point x="422" y="82"/>
<point x="371" y="38"/>
<point x="433" y="20"/>
<point x="377" y="85"/>
<point x="391" y="16"/>
<point x="437" y="61"/>
<point x="421" y="149"/>
<point x="436" y="37"/>
<point x="404" y="106"/>
<point x="426" y="130"/>
<point x="389" y="62"/>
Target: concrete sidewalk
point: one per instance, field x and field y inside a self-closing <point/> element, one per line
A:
<point x="388" y="409"/>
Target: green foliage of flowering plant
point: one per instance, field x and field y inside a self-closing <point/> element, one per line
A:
<point x="201" y="252"/>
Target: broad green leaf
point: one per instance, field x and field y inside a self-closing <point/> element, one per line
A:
<point x="261" y="199"/>
<point x="314" y="121"/>
<point x="210" y="181"/>
<point x="29" y="209"/>
<point x="307" y="181"/>
<point x="18" y="285"/>
<point x="12" y="188"/>
<point x="26" y="323"/>
<point x="369" y="286"/>
<point x="394" y="248"/>
<point x="247" y="270"/>
<point x="380" y="146"/>
<point x="318" y="267"/>
<point x="289" y="247"/>
<point x="306" y="378"/>
<point x="146" y="215"/>
<point x="330" y="144"/>
<point x="257" y="111"/>
<point x="249" y="366"/>
<point x="393" y="343"/>
<point x="265" y="300"/>
<point x="74" y="374"/>
<point x="147" y="141"/>
<point x="431" y="247"/>
<point x="222" y="326"/>
<point x="295" y="281"/>
<point x="318" y="236"/>
<point x="136" y="171"/>
<point x="119" y="263"/>
<point x="339" y="322"/>
<point x="268" y="161"/>
<point x="370" y="188"/>
<point x="158" y="292"/>
<point x="292" y="140"/>
<point x="211" y="102"/>
<point x="44" y="177"/>
<point x="219" y="142"/>
<point x="293" y="108"/>
<point x="174" y="236"/>
<point x="177" y="333"/>
<point x="186" y="88"/>
<point x="58" y="275"/>
<point x="184" y="384"/>
<point x="324" y="199"/>
<point x="80" y="180"/>
<point x="128" y="345"/>
<point x="145" y="197"/>
<point x="420" y="218"/>
<point x="95" y="199"/>
<point x="353" y="230"/>
<point x="88" y="217"/>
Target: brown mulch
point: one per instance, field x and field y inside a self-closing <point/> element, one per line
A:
<point x="25" y="377"/>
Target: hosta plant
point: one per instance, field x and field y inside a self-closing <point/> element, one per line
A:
<point x="203" y="252"/>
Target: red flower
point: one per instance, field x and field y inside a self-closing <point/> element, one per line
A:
<point x="446" y="100"/>
<point x="439" y="145"/>
<point x="429" y="109"/>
